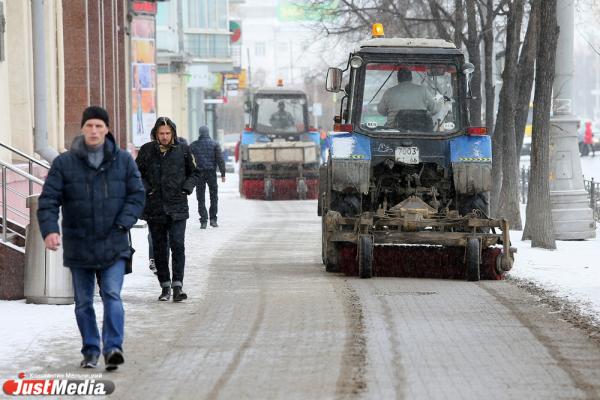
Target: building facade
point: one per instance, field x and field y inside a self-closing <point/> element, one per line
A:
<point x="193" y="43"/>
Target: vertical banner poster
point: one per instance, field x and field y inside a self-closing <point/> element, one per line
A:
<point x="143" y="78"/>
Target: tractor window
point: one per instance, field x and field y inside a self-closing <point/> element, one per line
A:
<point x="410" y="98"/>
<point x="280" y="115"/>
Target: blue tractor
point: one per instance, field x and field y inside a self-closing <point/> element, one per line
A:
<point x="405" y="189"/>
<point x="279" y="151"/>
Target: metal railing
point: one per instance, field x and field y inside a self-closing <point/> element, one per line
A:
<point x="31" y="179"/>
<point x="591" y="187"/>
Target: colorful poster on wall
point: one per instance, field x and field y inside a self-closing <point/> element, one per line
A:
<point x="143" y="78"/>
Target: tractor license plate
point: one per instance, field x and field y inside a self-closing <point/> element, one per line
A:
<point x="407" y="155"/>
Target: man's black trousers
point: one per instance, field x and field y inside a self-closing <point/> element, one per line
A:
<point x="207" y="178"/>
<point x="171" y="233"/>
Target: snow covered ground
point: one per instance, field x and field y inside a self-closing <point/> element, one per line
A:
<point x="571" y="271"/>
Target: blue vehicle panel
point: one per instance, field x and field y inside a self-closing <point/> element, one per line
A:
<point x="349" y="146"/>
<point x="471" y="149"/>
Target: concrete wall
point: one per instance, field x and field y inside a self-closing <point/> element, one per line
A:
<point x="20" y="70"/>
<point x="172" y="101"/>
<point x="5" y="136"/>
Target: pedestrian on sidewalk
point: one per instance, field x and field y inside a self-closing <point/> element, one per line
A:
<point x="588" y="138"/>
<point x="151" y="263"/>
<point x="169" y="175"/>
<point x="101" y="194"/>
<point x="208" y="156"/>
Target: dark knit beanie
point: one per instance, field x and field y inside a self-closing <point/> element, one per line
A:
<point x="94" y="112"/>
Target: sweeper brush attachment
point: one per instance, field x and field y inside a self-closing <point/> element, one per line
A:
<point x="420" y="262"/>
<point x="279" y="189"/>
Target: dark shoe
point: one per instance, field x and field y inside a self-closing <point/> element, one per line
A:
<point x="113" y="359"/>
<point x="178" y="294"/>
<point x="166" y="294"/>
<point x="89" y="361"/>
<point x="213" y="223"/>
<point x="202" y="225"/>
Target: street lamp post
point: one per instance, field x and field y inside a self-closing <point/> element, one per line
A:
<point x="571" y="215"/>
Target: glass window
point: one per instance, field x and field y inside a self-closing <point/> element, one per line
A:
<point x="280" y="115"/>
<point x="222" y="14"/>
<point x="410" y="98"/>
<point x="211" y="6"/>
<point x="211" y="46"/>
<point x="259" y="49"/>
<point x="163" y="14"/>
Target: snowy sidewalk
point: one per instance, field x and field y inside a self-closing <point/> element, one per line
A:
<point x="43" y="331"/>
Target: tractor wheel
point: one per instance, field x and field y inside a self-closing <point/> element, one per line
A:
<point x="330" y="265"/>
<point x="473" y="259"/>
<point x="302" y="189"/>
<point x="365" y="256"/>
<point x="269" y="189"/>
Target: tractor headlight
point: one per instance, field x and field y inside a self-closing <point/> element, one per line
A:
<point x="356" y="62"/>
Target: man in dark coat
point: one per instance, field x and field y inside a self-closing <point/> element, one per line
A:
<point x="208" y="156"/>
<point x="101" y="194"/>
<point x="169" y="176"/>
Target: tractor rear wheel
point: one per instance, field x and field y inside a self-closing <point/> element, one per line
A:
<point x="269" y="189"/>
<point x="365" y="256"/>
<point x="473" y="259"/>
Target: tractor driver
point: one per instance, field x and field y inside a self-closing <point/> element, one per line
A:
<point x="408" y="105"/>
<point x="281" y="119"/>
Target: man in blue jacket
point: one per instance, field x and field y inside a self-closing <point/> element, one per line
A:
<point x="101" y="194"/>
<point x="208" y="155"/>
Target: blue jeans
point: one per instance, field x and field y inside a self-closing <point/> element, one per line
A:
<point x="84" y="283"/>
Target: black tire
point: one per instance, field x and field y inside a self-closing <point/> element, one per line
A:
<point x="365" y="256"/>
<point x="302" y="189"/>
<point x="323" y="244"/>
<point x="269" y="189"/>
<point x="473" y="259"/>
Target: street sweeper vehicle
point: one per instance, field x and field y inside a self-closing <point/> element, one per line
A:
<point x="406" y="186"/>
<point x="278" y="151"/>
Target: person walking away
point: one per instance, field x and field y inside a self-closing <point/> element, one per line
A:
<point x="99" y="189"/>
<point x="169" y="175"/>
<point x="151" y="264"/>
<point x="208" y="155"/>
<point x="588" y="138"/>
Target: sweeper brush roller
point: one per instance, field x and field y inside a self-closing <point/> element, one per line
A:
<point x="283" y="189"/>
<point x="438" y="262"/>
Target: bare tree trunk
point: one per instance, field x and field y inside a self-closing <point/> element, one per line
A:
<point x="472" y="43"/>
<point x="538" y="225"/>
<point x="526" y="73"/>
<point x="459" y="22"/>
<point x="488" y="51"/>
<point x="508" y="201"/>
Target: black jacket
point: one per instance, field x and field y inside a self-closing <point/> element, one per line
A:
<point x="168" y="178"/>
<point x="208" y="154"/>
<point x="98" y="205"/>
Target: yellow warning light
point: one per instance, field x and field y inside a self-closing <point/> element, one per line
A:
<point x="377" y="30"/>
<point x="279" y="82"/>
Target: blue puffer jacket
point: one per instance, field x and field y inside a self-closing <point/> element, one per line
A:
<point x="98" y="205"/>
<point x="207" y="153"/>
